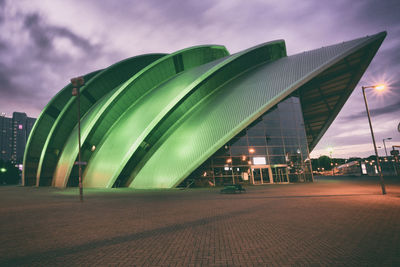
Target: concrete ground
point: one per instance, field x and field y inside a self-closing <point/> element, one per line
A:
<point x="332" y="222"/>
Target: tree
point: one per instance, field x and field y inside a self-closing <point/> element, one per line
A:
<point x="353" y="159"/>
<point x="9" y="174"/>
<point x="325" y="162"/>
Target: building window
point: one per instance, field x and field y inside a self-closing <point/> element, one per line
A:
<point x="275" y="142"/>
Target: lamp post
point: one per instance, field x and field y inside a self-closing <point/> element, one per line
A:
<point x="395" y="154"/>
<point x="77" y="83"/>
<point x="377" y="87"/>
<point x="384" y="145"/>
<point x="330" y="150"/>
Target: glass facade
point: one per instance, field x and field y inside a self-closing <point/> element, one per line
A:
<point x="273" y="149"/>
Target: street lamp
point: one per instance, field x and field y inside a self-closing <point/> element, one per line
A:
<point x="330" y="150"/>
<point x="77" y="83"/>
<point x="384" y="145"/>
<point x="377" y="87"/>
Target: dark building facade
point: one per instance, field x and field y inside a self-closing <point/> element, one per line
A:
<point x="6" y="140"/>
<point x="14" y="135"/>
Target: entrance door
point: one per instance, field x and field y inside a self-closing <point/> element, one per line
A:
<point x="280" y="174"/>
<point x="261" y="174"/>
<point x="257" y="178"/>
<point x="265" y="175"/>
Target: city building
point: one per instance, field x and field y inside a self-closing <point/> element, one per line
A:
<point x="14" y="135"/>
<point x="200" y="115"/>
<point x="6" y="140"/>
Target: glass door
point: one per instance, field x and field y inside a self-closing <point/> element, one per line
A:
<point x="261" y="174"/>
<point x="280" y="174"/>
<point x="257" y="176"/>
<point x="265" y="175"/>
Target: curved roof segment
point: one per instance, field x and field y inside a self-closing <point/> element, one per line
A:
<point x="117" y="111"/>
<point x="59" y="117"/>
<point x="41" y="129"/>
<point x="155" y="126"/>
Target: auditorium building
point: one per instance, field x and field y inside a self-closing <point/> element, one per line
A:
<point x="197" y="116"/>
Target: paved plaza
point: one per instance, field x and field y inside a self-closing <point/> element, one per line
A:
<point x="332" y="222"/>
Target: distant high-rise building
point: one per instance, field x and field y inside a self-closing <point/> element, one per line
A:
<point x="5" y="138"/>
<point x="14" y="135"/>
<point x="29" y="125"/>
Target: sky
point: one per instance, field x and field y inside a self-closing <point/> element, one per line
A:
<point x="43" y="43"/>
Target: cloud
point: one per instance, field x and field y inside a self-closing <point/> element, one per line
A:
<point x="44" y="37"/>
<point x="4" y="80"/>
<point x="378" y="13"/>
<point x="389" y="109"/>
<point x="2" y="5"/>
<point x="37" y="58"/>
<point x="348" y="150"/>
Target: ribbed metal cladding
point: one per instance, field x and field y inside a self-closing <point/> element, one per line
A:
<point x="134" y="88"/>
<point x="229" y="109"/>
<point x="41" y="130"/>
<point x="69" y="152"/>
<point x="151" y="93"/>
<point x="133" y="126"/>
<point x="201" y="87"/>
<point x="121" y="72"/>
<point x="67" y="119"/>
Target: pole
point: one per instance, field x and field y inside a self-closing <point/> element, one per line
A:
<point x="384" y="145"/>
<point x="77" y="83"/>
<point x="79" y="144"/>
<point x="396" y="158"/>
<point x="373" y="140"/>
<point x="233" y="175"/>
<point x="331" y="160"/>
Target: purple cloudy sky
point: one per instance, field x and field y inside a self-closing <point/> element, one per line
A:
<point x="43" y="43"/>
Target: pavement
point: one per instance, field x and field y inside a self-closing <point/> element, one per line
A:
<point x="335" y="221"/>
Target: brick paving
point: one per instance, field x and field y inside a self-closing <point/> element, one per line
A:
<point x="332" y="222"/>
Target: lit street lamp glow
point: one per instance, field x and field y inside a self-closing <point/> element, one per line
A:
<point x="377" y="87"/>
<point x="3" y="169"/>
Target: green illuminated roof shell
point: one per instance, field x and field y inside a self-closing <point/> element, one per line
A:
<point x="41" y="129"/>
<point x="155" y="125"/>
<point x="56" y="121"/>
